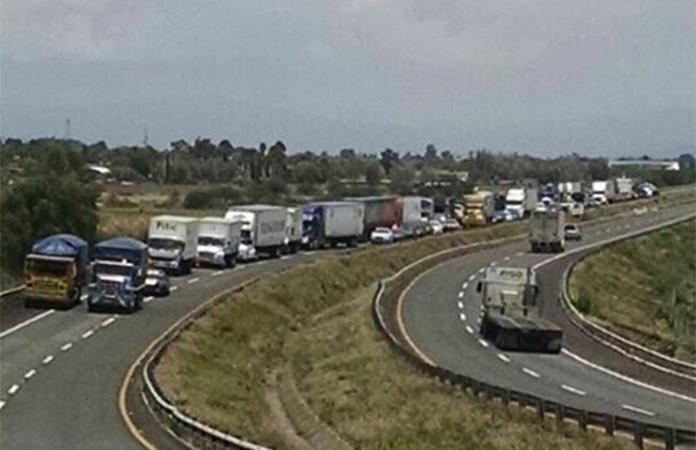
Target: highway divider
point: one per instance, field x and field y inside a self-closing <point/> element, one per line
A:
<point x="387" y="316"/>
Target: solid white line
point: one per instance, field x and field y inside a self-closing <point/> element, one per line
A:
<point x="27" y="322"/>
<point x="47" y="360"/>
<point x="13" y="389"/>
<point x="193" y="280"/>
<point x="30" y="374"/>
<point x="530" y="372"/>
<point x="462" y="317"/>
<point x="66" y="347"/>
<point x="148" y="299"/>
<point x="460" y="305"/>
<point x="626" y="378"/>
<point x="461" y="294"/>
<point x="173" y="288"/>
<point x="469" y="330"/>
<point x="218" y="273"/>
<point x="573" y="390"/>
<point x="483" y="343"/>
<point x="503" y="357"/>
<point x="87" y="334"/>
<point x="108" y="321"/>
<point x="465" y="285"/>
<point x="645" y="412"/>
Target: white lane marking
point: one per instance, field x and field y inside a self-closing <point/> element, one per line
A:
<point x="108" y="321"/>
<point x="503" y="357"/>
<point x="507" y="258"/>
<point x="460" y="305"/>
<point x="462" y="317"/>
<point x="530" y="372"/>
<point x="84" y="297"/>
<point x="469" y="329"/>
<point x="465" y="285"/>
<point x="148" y="299"/>
<point x="66" y="347"/>
<point x="493" y="263"/>
<point x="471" y="277"/>
<point x="283" y="258"/>
<point x="2" y="405"/>
<point x="87" y="334"/>
<point x="27" y="323"/>
<point x="30" y="374"/>
<point x="519" y="253"/>
<point x="626" y="378"/>
<point x="645" y="412"/>
<point x="573" y="390"/>
<point x="173" y="288"/>
<point x="483" y="343"/>
<point x="482" y="269"/>
<point x="47" y="360"/>
<point x="13" y="389"/>
<point x="217" y="273"/>
<point x="461" y="294"/>
<point x="193" y="280"/>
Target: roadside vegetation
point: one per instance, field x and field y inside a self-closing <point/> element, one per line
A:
<point x="644" y="289"/>
<point x="314" y="320"/>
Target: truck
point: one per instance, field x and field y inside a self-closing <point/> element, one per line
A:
<point x="263" y="229"/>
<point x="380" y="211"/>
<point x="56" y="271"/>
<point x="603" y="192"/>
<point x="478" y="208"/>
<point x="520" y="202"/>
<point x="293" y="230"/>
<point x="624" y="189"/>
<point x="328" y="224"/>
<point x="119" y="270"/>
<point x="510" y="316"/>
<point x="546" y="230"/>
<point x="173" y="243"/>
<point x="218" y="242"/>
<point x="416" y="209"/>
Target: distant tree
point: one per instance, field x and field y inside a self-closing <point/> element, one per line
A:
<point x="276" y="160"/>
<point x="388" y="159"/>
<point x="307" y="172"/>
<point x="347" y="153"/>
<point x="373" y="174"/>
<point x="430" y="153"/>
<point x="402" y="178"/>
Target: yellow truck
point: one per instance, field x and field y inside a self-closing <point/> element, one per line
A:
<point x="478" y="209"/>
<point x="55" y="271"/>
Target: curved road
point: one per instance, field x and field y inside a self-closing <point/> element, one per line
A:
<point x="440" y="313"/>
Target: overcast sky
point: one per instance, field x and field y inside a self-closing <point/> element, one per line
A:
<point x="597" y="77"/>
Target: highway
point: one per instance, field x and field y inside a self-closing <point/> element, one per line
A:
<point x="61" y="370"/>
<point x="441" y="310"/>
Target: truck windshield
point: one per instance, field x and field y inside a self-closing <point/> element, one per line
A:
<point x="38" y="267"/>
<point x="113" y="269"/>
<point x="165" y="244"/>
<point x="245" y="237"/>
<point x="210" y="240"/>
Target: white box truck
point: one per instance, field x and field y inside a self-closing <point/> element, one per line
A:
<point x="173" y="242"/>
<point x="332" y="223"/>
<point x="603" y="192"/>
<point x="218" y="241"/>
<point x="293" y="230"/>
<point x="624" y="189"/>
<point x="263" y="229"/>
<point x="416" y="209"/>
<point x="546" y="230"/>
<point x="520" y="202"/>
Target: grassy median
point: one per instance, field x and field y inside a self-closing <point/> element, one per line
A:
<point x="315" y="319"/>
<point x="644" y="289"/>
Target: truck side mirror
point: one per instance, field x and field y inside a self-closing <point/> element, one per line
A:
<point x="478" y="287"/>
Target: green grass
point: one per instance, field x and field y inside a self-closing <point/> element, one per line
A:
<point x="316" y="317"/>
<point x="644" y="289"/>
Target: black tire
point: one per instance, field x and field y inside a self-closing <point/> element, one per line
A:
<point x="77" y="294"/>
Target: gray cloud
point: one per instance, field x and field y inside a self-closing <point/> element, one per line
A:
<point x="539" y="76"/>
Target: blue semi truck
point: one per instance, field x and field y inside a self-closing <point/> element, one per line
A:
<point x="119" y="269"/>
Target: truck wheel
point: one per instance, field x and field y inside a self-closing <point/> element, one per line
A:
<point x="353" y="243"/>
<point x="77" y="294"/>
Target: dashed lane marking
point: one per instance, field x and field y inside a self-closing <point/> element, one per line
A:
<point x="519" y="253"/>
<point x="2" y="405"/>
<point x="217" y="273"/>
<point x="493" y="264"/>
<point x="507" y="258"/>
<point x="462" y="317"/>
<point x="47" y="360"/>
<point x="148" y="299"/>
<point x="573" y="390"/>
<point x="87" y="334"/>
<point x="283" y="258"/>
<point x="503" y="357"/>
<point x="84" y="297"/>
<point x="30" y="374"/>
<point x="460" y="305"/>
<point x="469" y="329"/>
<point x="66" y="347"/>
<point x="193" y="280"/>
<point x="13" y="389"/>
<point x="483" y="343"/>
<point x="634" y="409"/>
<point x="471" y="277"/>
<point x="27" y="323"/>
<point x="465" y="285"/>
<point x="108" y="321"/>
<point x="482" y="269"/>
<point x="530" y="372"/>
<point x="173" y="288"/>
<point x="461" y="294"/>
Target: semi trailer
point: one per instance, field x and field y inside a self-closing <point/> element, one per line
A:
<point x="263" y="229"/>
<point x="327" y="224"/>
<point x="546" y="230"/>
<point x="379" y="211"/>
<point x="510" y="315"/>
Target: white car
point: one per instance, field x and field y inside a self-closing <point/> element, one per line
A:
<point x="382" y="235"/>
<point x="437" y="226"/>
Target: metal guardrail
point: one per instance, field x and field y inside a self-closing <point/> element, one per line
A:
<point x="384" y="317"/>
<point x="613" y="340"/>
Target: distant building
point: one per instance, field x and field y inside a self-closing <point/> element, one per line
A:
<point x="664" y="164"/>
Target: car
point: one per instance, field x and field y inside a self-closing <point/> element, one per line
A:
<point x="502" y="215"/>
<point x="572" y="232"/>
<point x="436" y="226"/>
<point x="156" y="283"/>
<point x="382" y="235"/>
<point x="401" y="233"/>
<point x="452" y="224"/>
